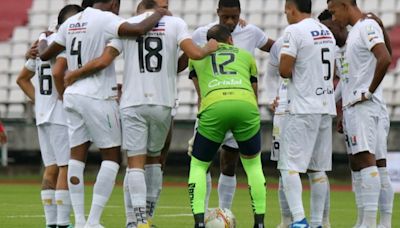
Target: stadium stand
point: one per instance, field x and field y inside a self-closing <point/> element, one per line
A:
<point x="267" y="14"/>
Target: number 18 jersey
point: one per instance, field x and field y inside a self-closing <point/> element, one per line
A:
<point x="151" y="62"/>
<point x="311" y="88"/>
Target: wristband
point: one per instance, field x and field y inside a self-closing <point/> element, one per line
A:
<point x="42" y="36"/>
<point x="368" y="95"/>
<point x="1" y="128"/>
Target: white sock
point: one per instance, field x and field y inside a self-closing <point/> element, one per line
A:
<point x="153" y="177"/>
<point x="76" y="190"/>
<point x="356" y="183"/>
<point x="327" y="208"/>
<point x="102" y="190"/>
<point x="209" y="188"/>
<point x="63" y="202"/>
<point x="49" y="206"/>
<point x="130" y="215"/>
<point x="226" y="190"/>
<point x="386" y="198"/>
<point x="286" y="215"/>
<point x="137" y="189"/>
<point x="293" y="192"/>
<point x="319" y="187"/>
<point x="370" y="189"/>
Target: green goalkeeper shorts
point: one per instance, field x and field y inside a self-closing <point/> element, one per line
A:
<point x="241" y="117"/>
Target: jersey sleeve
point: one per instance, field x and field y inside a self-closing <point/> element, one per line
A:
<point x="182" y="31"/>
<point x="30" y="64"/>
<point x="371" y="34"/>
<point x="253" y="67"/>
<point x="61" y="37"/>
<point x="112" y="24"/>
<point x="260" y="37"/>
<point x="116" y="44"/>
<point x="274" y="54"/>
<point x="290" y="44"/>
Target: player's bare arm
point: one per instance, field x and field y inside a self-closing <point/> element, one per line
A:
<point x="92" y="67"/>
<point x="286" y="66"/>
<point x="254" y="85"/>
<point x="59" y="69"/>
<point x="139" y="29"/>
<point x="53" y="50"/>
<point x="195" y="52"/>
<point x="197" y="87"/>
<point x="24" y="82"/>
<point x="268" y="45"/>
<point x="182" y="62"/>
<point x="32" y="51"/>
<point x="383" y="60"/>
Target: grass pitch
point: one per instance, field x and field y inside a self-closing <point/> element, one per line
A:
<point x="20" y="206"/>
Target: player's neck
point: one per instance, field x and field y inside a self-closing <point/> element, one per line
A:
<point x="355" y="15"/>
<point x="302" y="16"/>
<point x="101" y="6"/>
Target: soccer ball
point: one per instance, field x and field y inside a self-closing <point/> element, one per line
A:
<point x="220" y="218"/>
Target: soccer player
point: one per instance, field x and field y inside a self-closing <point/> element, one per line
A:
<point x="92" y="111"/>
<point x="52" y="131"/>
<point x="3" y="135"/>
<point x="148" y="96"/>
<point x="249" y="38"/>
<point x="307" y="59"/>
<point x="365" y="118"/>
<point x="228" y="85"/>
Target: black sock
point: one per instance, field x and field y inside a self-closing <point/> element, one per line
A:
<point x="199" y="220"/>
<point x="51" y="226"/>
<point x="59" y="226"/>
<point x="258" y="220"/>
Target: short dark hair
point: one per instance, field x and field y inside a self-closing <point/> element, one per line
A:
<point x="66" y="10"/>
<point x="148" y="4"/>
<point x="325" y="15"/>
<point x="103" y="1"/>
<point x="220" y="33"/>
<point x="229" y="3"/>
<point x="87" y="3"/>
<point x="353" y="2"/>
<point x="303" y="6"/>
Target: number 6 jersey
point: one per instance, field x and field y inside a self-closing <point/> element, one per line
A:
<point x="311" y="87"/>
<point x="151" y="62"/>
<point x="48" y="106"/>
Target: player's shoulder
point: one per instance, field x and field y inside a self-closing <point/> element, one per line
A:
<point x="368" y="24"/>
<point x="249" y="28"/>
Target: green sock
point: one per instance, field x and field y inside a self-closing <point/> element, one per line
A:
<point x="256" y="181"/>
<point x="197" y="185"/>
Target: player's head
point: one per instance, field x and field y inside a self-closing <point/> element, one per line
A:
<point x="66" y="12"/>
<point x="339" y="32"/>
<point x="229" y="13"/>
<point x="296" y="10"/>
<point x="341" y="10"/>
<point x="162" y="3"/>
<point x="145" y="5"/>
<point x="87" y="3"/>
<point x="107" y="5"/>
<point x="220" y="33"/>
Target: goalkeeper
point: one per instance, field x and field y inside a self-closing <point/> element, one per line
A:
<point x="227" y="80"/>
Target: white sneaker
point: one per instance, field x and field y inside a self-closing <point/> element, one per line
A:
<point x="283" y="225"/>
<point x="93" y="226"/>
<point x="326" y="225"/>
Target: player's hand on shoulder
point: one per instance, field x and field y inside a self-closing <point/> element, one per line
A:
<point x="163" y="11"/>
<point x="212" y="45"/>
<point x="33" y="51"/>
<point x="242" y="23"/>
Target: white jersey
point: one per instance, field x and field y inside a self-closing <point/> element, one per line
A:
<point x="342" y="71"/>
<point x="48" y="106"/>
<point x="151" y="63"/>
<point x="248" y="38"/>
<point x="273" y="77"/>
<point x="311" y="87"/>
<point x="364" y="35"/>
<point x="84" y="36"/>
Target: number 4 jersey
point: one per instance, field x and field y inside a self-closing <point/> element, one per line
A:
<point x="48" y="106"/>
<point x="151" y="62"/>
<point x="311" y="87"/>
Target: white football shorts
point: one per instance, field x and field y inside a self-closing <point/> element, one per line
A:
<point x="93" y="120"/>
<point x="53" y="141"/>
<point x="145" y="129"/>
<point x="367" y="129"/>
<point x="306" y="143"/>
<point x="278" y="122"/>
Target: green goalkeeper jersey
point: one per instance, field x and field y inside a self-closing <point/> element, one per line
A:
<point x="225" y="75"/>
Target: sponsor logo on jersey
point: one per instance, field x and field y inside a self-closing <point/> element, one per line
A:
<point x="321" y="34"/>
<point x="286" y="40"/>
<point x="321" y="91"/>
<point x="371" y="33"/>
<point x="79" y="26"/>
<point x="216" y="82"/>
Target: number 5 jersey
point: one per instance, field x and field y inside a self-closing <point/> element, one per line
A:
<point x="151" y="62"/>
<point x="48" y="106"/>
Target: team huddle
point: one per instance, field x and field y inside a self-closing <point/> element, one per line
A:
<point x="78" y="102"/>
